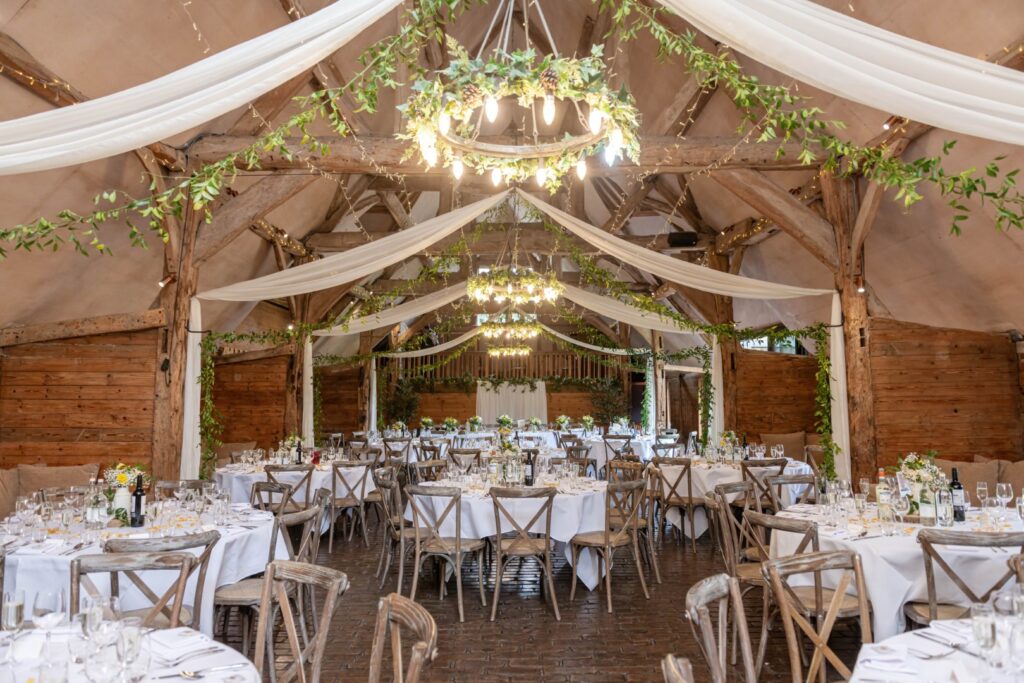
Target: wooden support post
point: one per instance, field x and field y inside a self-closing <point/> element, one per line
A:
<point x="363" y="398"/>
<point x="661" y="416"/>
<point x="625" y="375"/>
<point x="723" y="313"/>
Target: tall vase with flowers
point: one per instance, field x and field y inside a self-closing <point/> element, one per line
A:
<point x="120" y="479"/>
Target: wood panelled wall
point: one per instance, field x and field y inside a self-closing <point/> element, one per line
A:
<point x="683" y="401"/>
<point x="82" y="400"/>
<point x="339" y="400"/>
<point x="954" y="391"/>
<point x="774" y="393"/>
<point x="251" y="397"/>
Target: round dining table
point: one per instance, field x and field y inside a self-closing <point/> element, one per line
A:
<point x="576" y="509"/>
<point x="237" y="479"/>
<point x="164" y="653"/>
<point x="894" y="569"/>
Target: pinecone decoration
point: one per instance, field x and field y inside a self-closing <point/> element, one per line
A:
<point x="549" y="79"/>
<point x="472" y="97"/>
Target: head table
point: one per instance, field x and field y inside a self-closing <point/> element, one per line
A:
<point x="894" y="565"/>
<point x="71" y="656"/>
<point x="242" y="551"/>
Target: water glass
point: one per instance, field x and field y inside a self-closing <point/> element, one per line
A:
<point x="860" y="502"/>
<point x="901" y="506"/>
<point x="990" y="511"/>
<point x="887" y="521"/>
<point x="1020" y="508"/>
<point x="13" y="617"/>
<point x="865" y="486"/>
<point x="1015" y="647"/>
<point x="49" y="609"/>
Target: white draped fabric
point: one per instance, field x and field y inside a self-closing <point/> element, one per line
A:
<point x="185" y="98"/>
<point x="392" y="316"/>
<point x="354" y="264"/>
<point x="592" y="347"/>
<point x="191" y="446"/>
<point x="673" y="367"/>
<point x="867" y="64"/>
<point x="308" y="434"/>
<point x="616" y="310"/>
<point x="668" y="267"/>
<point x="440" y="348"/>
<point x="718" y="398"/>
<point x="517" y="401"/>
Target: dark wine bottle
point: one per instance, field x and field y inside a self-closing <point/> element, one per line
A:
<point x="138" y="516"/>
<point x="528" y="474"/>
<point x="959" y="503"/>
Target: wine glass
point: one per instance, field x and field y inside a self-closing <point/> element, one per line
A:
<point x="901" y="506"/>
<point x="49" y="610"/>
<point x="865" y="486"/>
<point x="1004" y="493"/>
<point x="982" y="492"/>
<point x="983" y="623"/>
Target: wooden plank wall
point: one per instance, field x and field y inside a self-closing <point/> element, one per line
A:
<point x="339" y="397"/>
<point x="954" y="391"/>
<point x="250" y="396"/>
<point x="774" y="393"/>
<point x="683" y="403"/>
<point x="83" y="400"/>
<point x="575" y="404"/>
<point x="441" y="404"/>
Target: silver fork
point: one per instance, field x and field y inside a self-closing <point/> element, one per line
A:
<point x="189" y="655"/>
<point x="926" y="656"/>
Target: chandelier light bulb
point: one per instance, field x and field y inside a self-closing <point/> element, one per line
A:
<point x="542" y="174"/>
<point x="581" y="169"/>
<point x="426" y="139"/>
<point x="430" y="156"/>
<point x="594" y="120"/>
<point x="491" y="108"/>
<point x="458" y="168"/>
<point x="496" y="176"/>
<point x="615" y="138"/>
<point x="444" y="123"/>
<point x="549" y="109"/>
<point x="609" y="155"/>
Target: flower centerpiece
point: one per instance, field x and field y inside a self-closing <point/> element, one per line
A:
<point x="451" y="424"/>
<point x="921" y="472"/>
<point x="621" y="424"/>
<point x="588" y="423"/>
<point x="505" y="444"/>
<point x="426" y="423"/>
<point x="504" y="421"/>
<point x="397" y="426"/>
<point x="291" y="441"/>
<point x="563" y="422"/>
<point x="535" y="424"/>
<point x="120" y="478"/>
<point x="475" y="423"/>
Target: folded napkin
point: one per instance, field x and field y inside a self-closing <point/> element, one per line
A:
<point x="886" y="658"/>
<point x="239" y="507"/>
<point x="47" y="547"/>
<point x="174" y="642"/>
<point x="955" y="630"/>
<point x="851" y="531"/>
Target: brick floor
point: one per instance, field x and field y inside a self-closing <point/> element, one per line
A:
<point x="526" y="643"/>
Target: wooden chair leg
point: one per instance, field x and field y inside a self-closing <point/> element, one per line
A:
<point x="362" y="523"/>
<point x="480" y="576"/>
<point x="244" y="616"/>
<point x="639" y="568"/>
<point x="497" y="587"/>
<point x="551" y="585"/>
<point x="654" y="558"/>
<point x="692" y="512"/>
<point x="762" y="645"/>
<point x="608" y="576"/>
<point x="458" y="584"/>
<point x="330" y="531"/>
<point x="575" y="549"/>
<point x="417" y="562"/>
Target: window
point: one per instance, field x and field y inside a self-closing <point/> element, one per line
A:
<point x="787" y="344"/>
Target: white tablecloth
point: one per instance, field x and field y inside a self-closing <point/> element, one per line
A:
<point x="899" y="659"/>
<point x="162" y="646"/>
<point x="238" y="481"/>
<point x="241" y="552"/>
<point x="572" y="513"/>
<point x="600" y="452"/>
<point x="894" y="567"/>
<point x="706" y="477"/>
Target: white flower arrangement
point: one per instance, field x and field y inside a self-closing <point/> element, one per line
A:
<point x="534" y="422"/>
<point x="426" y="422"/>
<point x="563" y="421"/>
<point x="397" y="426"/>
<point x="122" y="476"/>
<point x="476" y="422"/>
<point x="451" y="424"/>
<point x="292" y="441"/>
<point x="504" y="421"/>
<point x="588" y="422"/>
<point x="920" y="469"/>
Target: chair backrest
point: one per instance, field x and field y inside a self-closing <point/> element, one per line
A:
<point x="301" y="487"/>
<point x="398" y="448"/>
<point x="931" y="539"/>
<point x="357" y="441"/>
<point x="205" y="540"/>
<point x="665" y="449"/>
<point x="427" y="521"/>
<point x="676" y="669"/>
<point x="814" y="456"/>
<point x="775" y="483"/>
<point x="429" y="470"/>
<point x="391" y="500"/>
<point x="625" y="470"/>
<point x="131" y="565"/>
<point x="165" y="488"/>
<point x="617" y="443"/>
<point x="505" y="521"/>
<point x="567" y="439"/>
<point x="1016" y="564"/>
<point x="270" y="496"/>
<point x="354" y="484"/>
<point x="671" y="483"/>
<point x="623" y="501"/>
<point x="845" y="567"/>
<point x="755" y="471"/>
<point x="309" y="523"/>
<point x="430" y="451"/>
<point x="369" y="454"/>
<point x="464" y="458"/>
<point x="395" y="614"/>
<point x="734" y="535"/>
<point x="721" y="591"/>
<point x="281" y="578"/>
<point x="336" y="440"/>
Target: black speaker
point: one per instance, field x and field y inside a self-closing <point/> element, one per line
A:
<point x="682" y="239"/>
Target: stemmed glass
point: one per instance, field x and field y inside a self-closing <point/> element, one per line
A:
<point x="901" y="506"/>
<point x="982" y="492"/>
<point x="1004" y="494"/>
<point x="48" y="610"/>
<point x="865" y="486"/>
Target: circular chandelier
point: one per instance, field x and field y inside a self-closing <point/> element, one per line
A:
<point x="445" y="114"/>
<point x="509" y="351"/>
<point x="515" y="286"/>
<point x="510" y="329"/>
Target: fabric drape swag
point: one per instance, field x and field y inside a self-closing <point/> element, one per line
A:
<point x="867" y="64"/>
<point x="183" y="99"/>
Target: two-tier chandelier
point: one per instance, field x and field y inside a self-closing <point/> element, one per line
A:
<point x="515" y="286"/>
<point x="445" y="115"/>
<point x="510" y="330"/>
<point x="509" y="351"/>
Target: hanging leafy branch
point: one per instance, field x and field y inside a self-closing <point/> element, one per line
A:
<point x="775" y="113"/>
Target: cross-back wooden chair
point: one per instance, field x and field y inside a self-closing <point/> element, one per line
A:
<point x="676" y="669"/>
<point x="165" y="488"/>
<point x="270" y="496"/>
<point x="429" y="451"/>
<point x="567" y="439"/>
<point x="675" y="490"/>
<point x="720" y="591"/>
<point x="395" y="614"/>
<point x="348" y="493"/>
<point x="814" y="456"/>
<point x="369" y="454"/>
<point x="647" y="523"/>
<point x="397" y="533"/>
<point x="429" y="470"/>
<point x="431" y="542"/>
<point x="357" y="441"/>
<point x="775" y="483"/>
<point x="300" y="490"/>
<point x="845" y="566"/>
<point x="281" y="580"/>
<point x="464" y="458"/>
<point x="203" y="542"/>
<point x="923" y="613"/>
<point x="579" y="455"/>
<point x="756" y="471"/>
<point x="1016" y="564"/>
<point x="665" y="451"/>
<point x="623" y="502"/>
<point x="336" y="440"/>
<point x="614" y="444"/>
<point x="165" y="608"/>
<point x="399" y="450"/>
<point x="532" y="539"/>
<point x="625" y="470"/>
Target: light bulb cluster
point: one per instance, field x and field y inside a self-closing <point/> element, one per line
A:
<point x="510" y="330"/>
<point x="507" y="285"/>
<point x="509" y="351"/>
